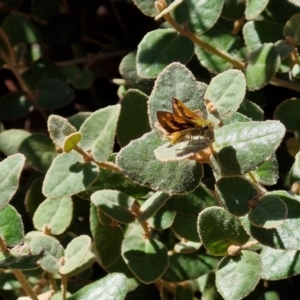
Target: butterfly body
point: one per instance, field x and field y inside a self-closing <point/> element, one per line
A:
<point x="183" y="122"/>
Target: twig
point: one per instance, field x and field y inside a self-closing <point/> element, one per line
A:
<point x="25" y="285"/>
<point x="283" y="83"/>
<point x="161" y="5"/>
<point x="112" y="3"/>
<point x="91" y="58"/>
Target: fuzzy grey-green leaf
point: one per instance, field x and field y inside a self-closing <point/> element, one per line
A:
<point x="10" y="171"/>
<point x="242" y="147"/>
<point x="159" y="48"/>
<point x="138" y="162"/>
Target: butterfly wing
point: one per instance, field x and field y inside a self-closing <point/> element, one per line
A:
<point x="180" y="109"/>
<point x="194" y="118"/>
<point x="172" y="122"/>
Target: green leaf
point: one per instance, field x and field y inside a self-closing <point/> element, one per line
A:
<point x="218" y="230"/>
<point x="56" y="214"/>
<point x="185" y="227"/>
<point x="242" y="147"/>
<point x="244" y="268"/>
<point x="132" y="125"/>
<point x="23" y="262"/>
<point x="147" y="7"/>
<point x="199" y="15"/>
<point x="53" y="93"/>
<point x="80" y="79"/>
<point x="294" y="173"/>
<point x="68" y="174"/>
<point x="287" y="113"/>
<point x="10" y="171"/>
<point x="11" y="226"/>
<point x="112" y="286"/>
<point x="267" y="173"/>
<point x="186" y="247"/>
<point x="279" y="264"/>
<point x="258" y="32"/>
<point x="284" y="49"/>
<point x="207" y="286"/>
<point x="188" y="266"/>
<point x="52" y="250"/>
<point x="39" y="151"/>
<point x="296" y="71"/>
<point x="121" y="267"/>
<point x="146" y="258"/>
<point x="98" y="132"/>
<point x="94" y="219"/>
<point x="281" y="237"/>
<point x="235" y="193"/>
<point x="71" y="141"/>
<point x="59" y="128"/>
<point x="78" y="119"/>
<point x="187" y="148"/>
<point x="20" y="30"/>
<point x="41" y="69"/>
<point x="162" y="219"/>
<point x="115" y="204"/>
<point x="292" y="28"/>
<point x="110" y="180"/>
<point x="14" y="106"/>
<point x="10" y="140"/>
<point x="75" y="253"/>
<point x="159" y="48"/>
<point x="226" y="91"/>
<point x="192" y="203"/>
<point x="270" y="212"/>
<point x="137" y="162"/>
<point x="251" y="110"/>
<point x="286" y="11"/>
<point x="254" y="8"/>
<point x="236" y="118"/>
<point x="152" y="205"/>
<point x="34" y="196"/>
<point x="176" y="81"/>
<point x="296" y="168"/>
<point x="128" y="71"/>
<point x="221" y="38"/>
<point x="286" y="64"/>
<point x="84" y="271"/>
<point x="263" y="63"/>
<point x="108" y="240"/>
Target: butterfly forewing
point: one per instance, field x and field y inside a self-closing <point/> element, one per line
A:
<point x="172" y="123"/>
<point x="183" y="122"/>
<point x="180" y="109"/>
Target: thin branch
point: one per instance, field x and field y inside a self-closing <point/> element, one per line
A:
<point x="122" y="25"/>
<point x="25" y="285"/>
<point x="91" y="59"/>
<point x="23" y="84"/>
<point x="64" y="286"/>
<point x="3" y="246"/>
<point x="161" y="5"/>
<point x="283" y="83"/>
